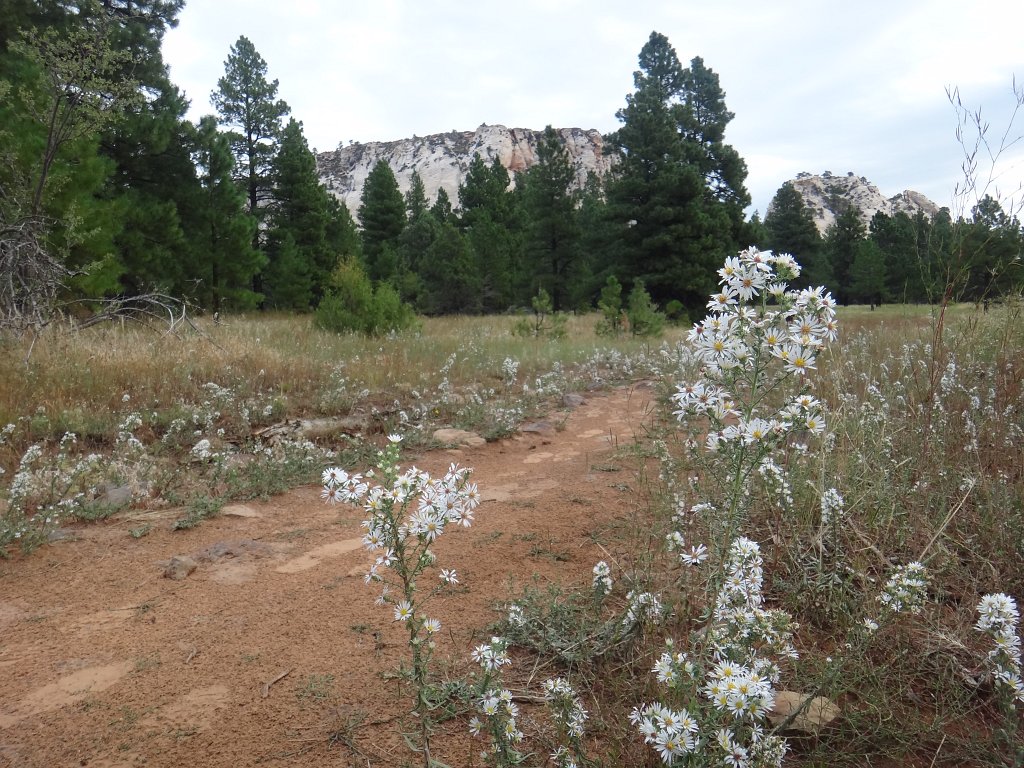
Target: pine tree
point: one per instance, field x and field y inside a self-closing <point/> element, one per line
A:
<point x="62" y="85"/>
<point x="382" y="215"/>
<point x="704" y="118"/>
<point x="553" y="230"/>
<point x="247" y="104"/>
<point x="790" y="228"/>
<point x="841" y="242"/>
<point x="225" y="227"/>
<point x="867" y="274"/>
<point x="663" y="230"/>
<point x="442" y="207"/>
<point x="302" y="210"/>
<point x="487" y="216"/>
<point x="416" y="197"/>
<point x="450" y="281"/>
<point x="897" y="239"/>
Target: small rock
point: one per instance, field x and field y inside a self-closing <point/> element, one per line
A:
<point x="573" y="400"/>
<point x="239" y="510"/>
<point x="226" y="549"/>
<point x="180" y="567"/>
<point x="116" y="497"/>
<point x="458" y="437"/>
<point x="818" y="713"/>
<point x="538" y="427"/>
<point x="317" y="429"/>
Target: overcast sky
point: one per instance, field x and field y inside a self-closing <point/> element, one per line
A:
<point x="815" y="86"/>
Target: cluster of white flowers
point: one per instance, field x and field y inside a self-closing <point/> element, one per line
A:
<point x="776" y="481"/>
<point x="499" y="713"/>
<point x="672" y="733"/>
<point x="202" y="450"/>
<point x="566" y="706"/>
<point x="743" y="333"/>
<point x="493" y="655"/>
<point x="693" y="555"/>
<point x="435" y="503"/>
<point x="762" y="750"/>
<point x="741" y="622"/>
<point x="495" y="705"/>
<point x="906" y="589"/>
<point x="998" y="618"/>
<point x="126" y="439"/>
<point x="405" y="514"/>
<point x="602" y="579"/>
<point x="739" y="691"/>
<point x="832" y="507"/>
<point x="642" y="606"/>
<point x="509" y="370"/>
<point x="672" y="666"/>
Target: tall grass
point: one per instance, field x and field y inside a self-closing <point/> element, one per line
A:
<point x="77" y="380"/>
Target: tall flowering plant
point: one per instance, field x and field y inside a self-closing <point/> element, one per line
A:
<point x="758" y="346"/>
<point x="406" y="512"/>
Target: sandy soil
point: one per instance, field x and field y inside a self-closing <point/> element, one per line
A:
<point x="106" y="663"/>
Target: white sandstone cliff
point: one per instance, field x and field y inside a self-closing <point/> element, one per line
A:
<point x="443" y="159"/>
<point x="827" y="196"/>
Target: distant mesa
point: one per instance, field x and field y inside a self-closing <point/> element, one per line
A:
<point x="828" y="196"/>
<point x="443" y="159"/>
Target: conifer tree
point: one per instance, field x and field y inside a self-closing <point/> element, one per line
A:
<point x="382" y="216"/>
<point x="790" y="228"/>
<point x="487" y="216"/>
<point x="442" y="207"/>
<point x="299" y="222"/>
<point x="552" y="221"/>
<point x="416" y="197"/>
<point x="665" y="231"/>
<point x="450" y="280"/>
<point x="226" y="229"/>
<point x="247" y="104"/>
<point x="842" y="240"/>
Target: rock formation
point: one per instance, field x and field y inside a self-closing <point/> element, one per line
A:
<point x="443" y="159"/>
<point x="827" y="196"/>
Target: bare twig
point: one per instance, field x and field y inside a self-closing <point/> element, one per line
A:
<point x="265" y="688"/>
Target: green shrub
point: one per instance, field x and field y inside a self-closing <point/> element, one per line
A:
<point x="610" y="305"/>
<point x="676" y="313"/>
<point x="545" y="322"/>
<point x="644" y="317"/>
<point x="352" y="304"/>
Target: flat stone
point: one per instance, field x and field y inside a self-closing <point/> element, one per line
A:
<point x="116" y="497"/>
<point x="239" y="510"/>
<point x="538" y="427"/>
<point x="817" y="711"/>
<point x="226" y="549"/>
<point x="458" y="437"/>
<point x="573" y="400"/>
<point x="180" y="567"/>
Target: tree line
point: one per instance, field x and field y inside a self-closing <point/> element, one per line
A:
<point x="904" y="257"/>
<point x="107" y="190"/>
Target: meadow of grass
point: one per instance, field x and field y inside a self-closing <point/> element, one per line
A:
<point x="924" y="448"/>
<point x="172" y="412"/>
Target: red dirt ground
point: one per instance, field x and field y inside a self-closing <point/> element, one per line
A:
<point x="106" y="663"/>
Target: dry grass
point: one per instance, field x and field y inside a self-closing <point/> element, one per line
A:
<point x="77" y="381"/>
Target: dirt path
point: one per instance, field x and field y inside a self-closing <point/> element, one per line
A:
<point x="106" y="663"/>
